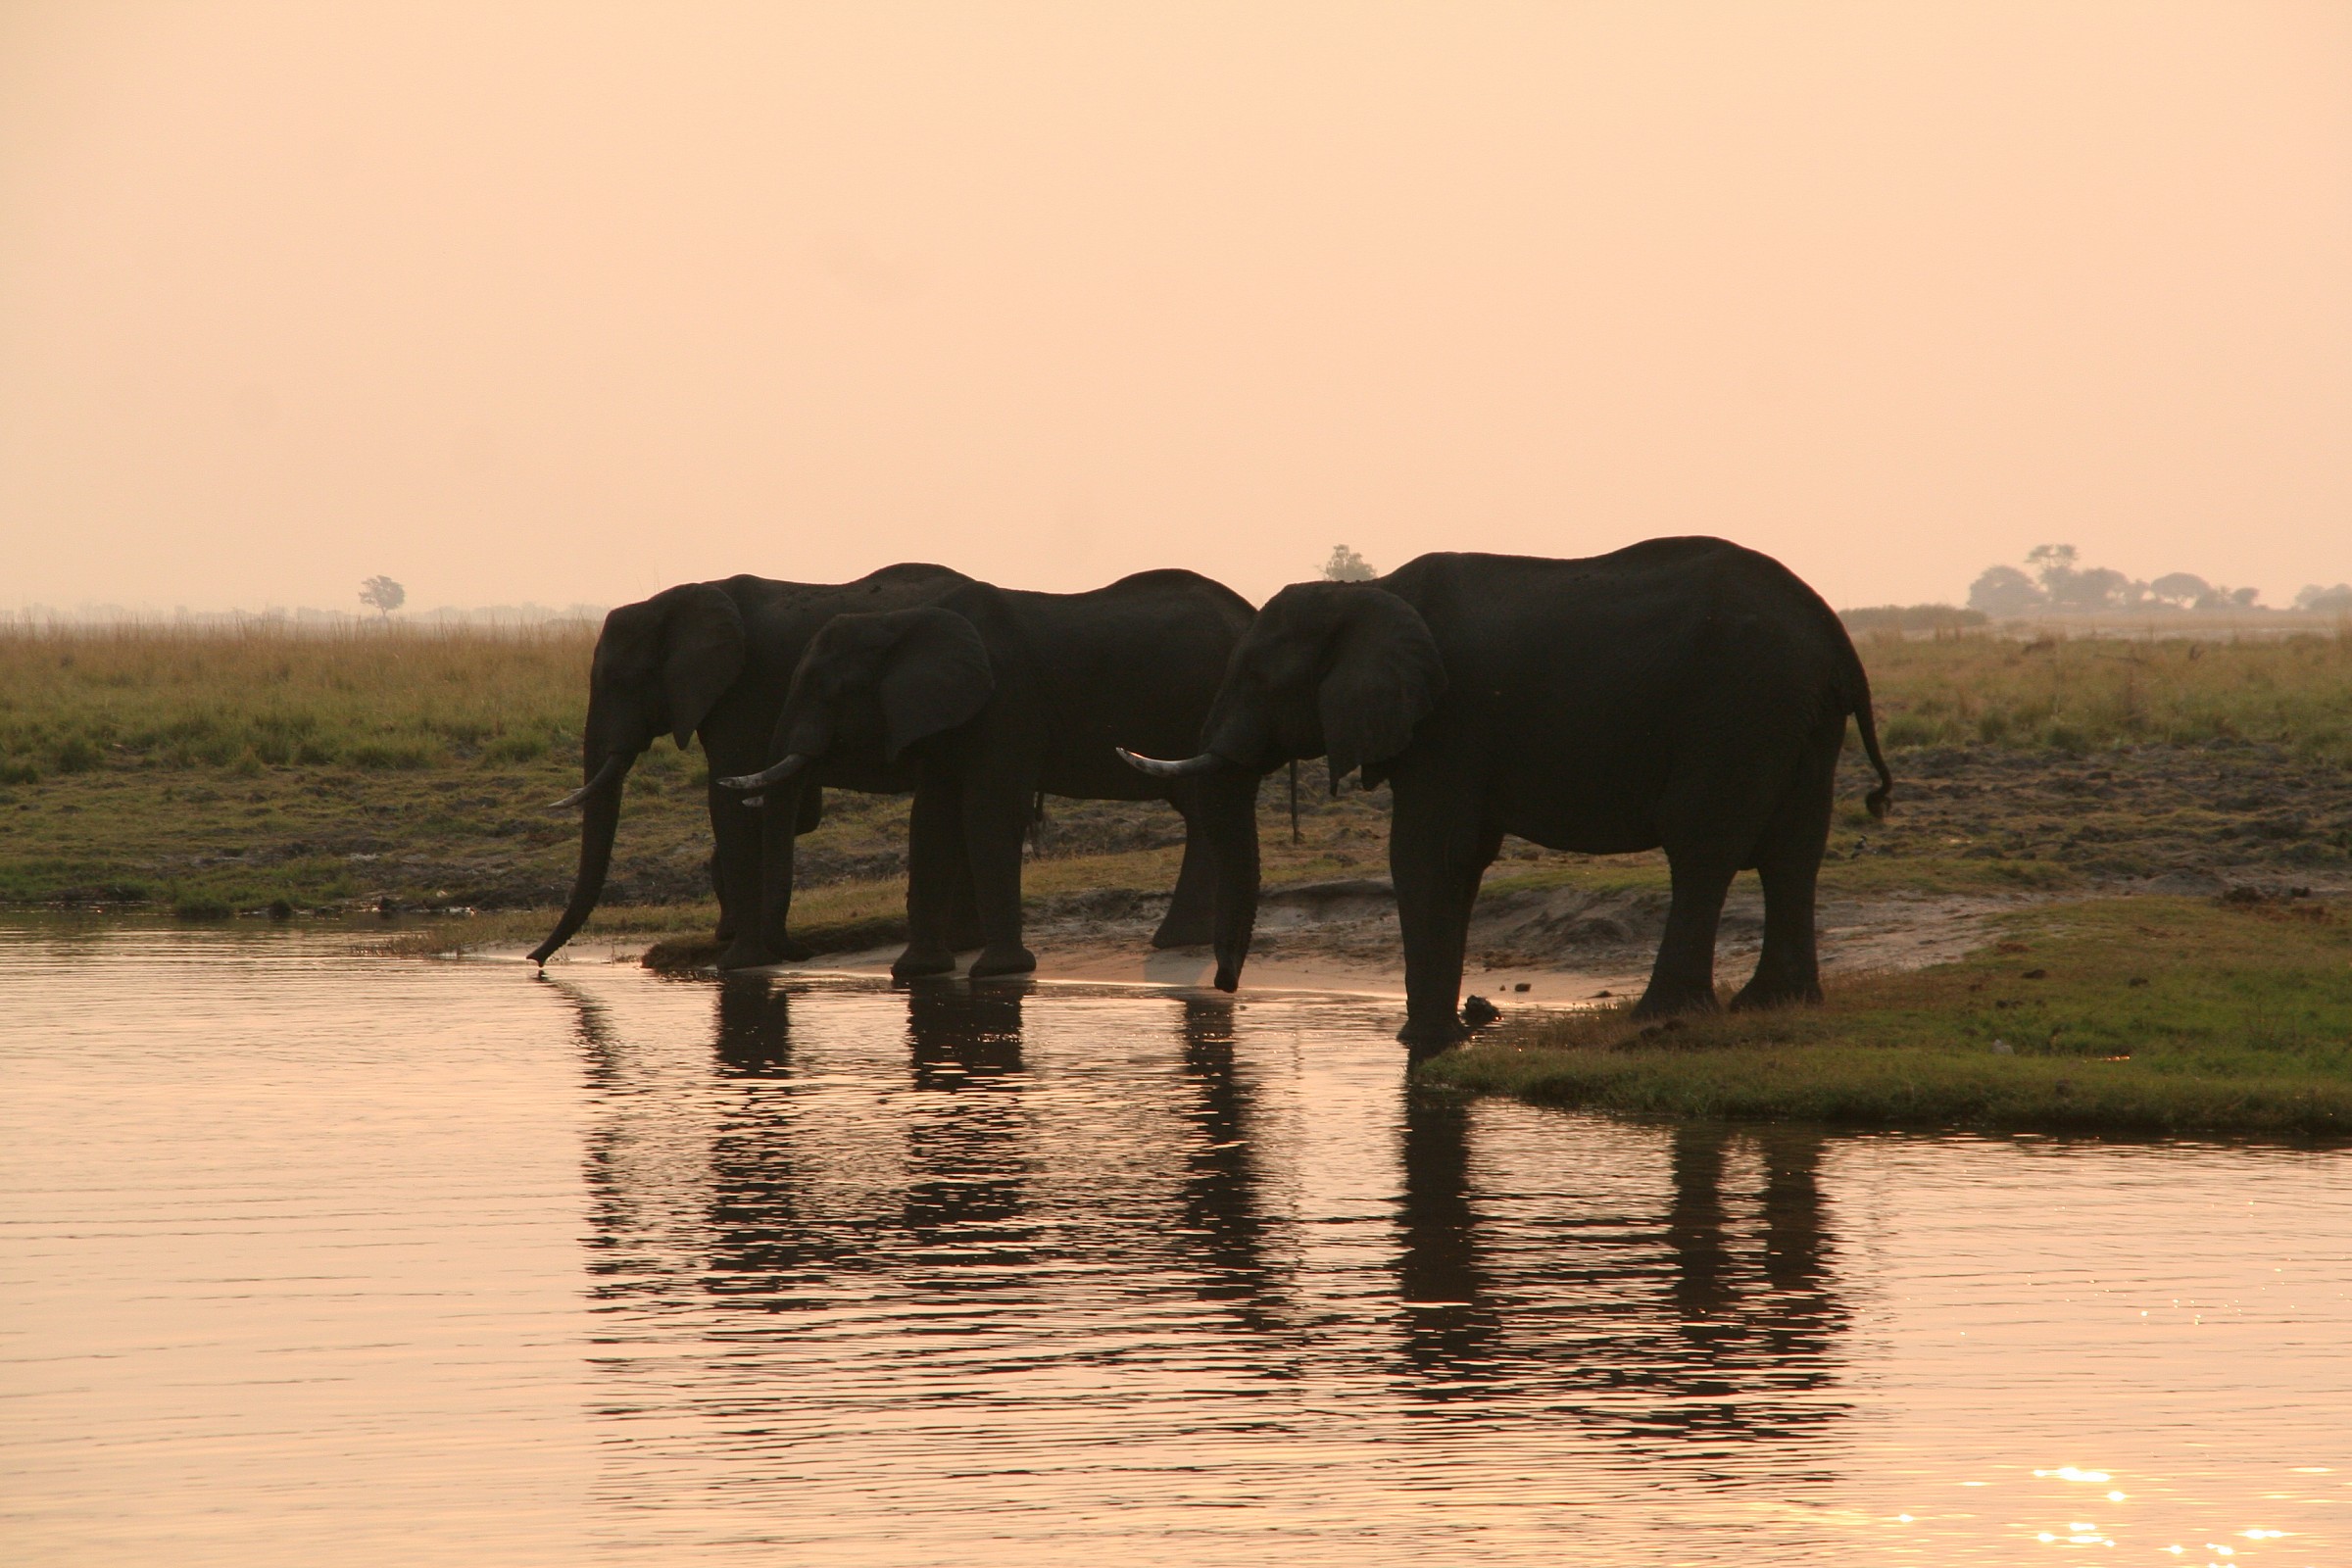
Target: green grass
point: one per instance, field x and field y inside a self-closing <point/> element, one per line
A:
<point x="2146" y="1014"/>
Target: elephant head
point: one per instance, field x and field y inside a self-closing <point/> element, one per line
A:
<point x="872" y="685"/>
<point x="660" y="666"/>
<point x="1338" y="671"/>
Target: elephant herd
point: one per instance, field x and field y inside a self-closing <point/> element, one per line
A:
<point x="1681" y="694"/>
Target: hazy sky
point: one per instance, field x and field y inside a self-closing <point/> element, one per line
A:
<point x="570" y="302"/>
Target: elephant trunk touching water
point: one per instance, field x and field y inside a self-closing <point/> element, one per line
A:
<point x="599" y="826"/>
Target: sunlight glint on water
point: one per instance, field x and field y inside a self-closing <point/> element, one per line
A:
<point x="308" y="1255"/>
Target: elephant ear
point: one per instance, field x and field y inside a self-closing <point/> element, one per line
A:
<point x="1385" y="676"/>
<point x="703" y="651"/>
<point x="937" y="677"/>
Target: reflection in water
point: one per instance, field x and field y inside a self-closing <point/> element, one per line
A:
<point x="292" y="1270"/>
<point x="966" y="1136"/>
<point x="1727" y="1338"/>
<point x="821" y="1180"/>
<point x="1224" y="1229"/>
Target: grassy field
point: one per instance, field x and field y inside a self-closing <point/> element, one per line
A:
<point x="2089" y="694"/>
<point x="209" y="772"/>
<point x="2149" y="1013"/>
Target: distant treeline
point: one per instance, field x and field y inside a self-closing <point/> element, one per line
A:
<point x="2056" y="582"/>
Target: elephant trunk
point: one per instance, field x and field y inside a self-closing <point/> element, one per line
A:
<point x="1232" y="822"/>
<point x="598" y="824"/>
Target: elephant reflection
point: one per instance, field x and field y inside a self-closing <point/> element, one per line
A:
<point x="967" y="1153"/>
<point x="1226" y="1233"/>
<point x="756" y="1185"/>
<point x="1741" y="1340"/>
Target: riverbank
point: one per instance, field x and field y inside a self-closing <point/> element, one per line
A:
<point x="2145" y="1015"/>
<point x="214" y="774"/>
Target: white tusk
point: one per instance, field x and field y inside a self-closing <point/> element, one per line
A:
<point x="1205" y="762"/>
<point x="793" y="763"/>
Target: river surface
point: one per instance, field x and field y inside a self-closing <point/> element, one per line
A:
<point x="308" y="1256"/>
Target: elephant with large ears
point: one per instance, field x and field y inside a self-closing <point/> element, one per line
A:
<point x="714" y="660"/>
<point x="993" y="696"/>
<point x="1683" y="694"/>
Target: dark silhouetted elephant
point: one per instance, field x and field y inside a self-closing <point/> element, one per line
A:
<point x="992" y="696"/>
<point x="715" y="659"/>
<point x="1683" y="694"/>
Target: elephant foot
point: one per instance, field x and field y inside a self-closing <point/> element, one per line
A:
<point x="789" y="950"/>
<point x="1665" y="1001"/>
<point x="1756" y="994"/>
<point x="964" y="935"/>
<point x="743" y="955"/>
<point x="1428" y="1036"/>
<point x="1013" y="958"/>
<point x="916" y="963"/>
<point x="1193" y="931"/>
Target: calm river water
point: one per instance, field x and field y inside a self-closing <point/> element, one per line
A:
<point x="308" y="1256"/>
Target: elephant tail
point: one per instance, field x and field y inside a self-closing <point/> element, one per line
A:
<point x="1858" y="698"/>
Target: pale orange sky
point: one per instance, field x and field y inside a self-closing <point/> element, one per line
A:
<point x="569" y="302"/>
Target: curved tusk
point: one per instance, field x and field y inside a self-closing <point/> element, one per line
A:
<point x="793" y="763"/>
<point x="1205" y="762"/>
<point x="614" y="764"/>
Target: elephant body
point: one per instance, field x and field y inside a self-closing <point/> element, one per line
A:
<point x="1683" y="694"/>
<point x="715" y="659"/>
<point x="993" y="696"/>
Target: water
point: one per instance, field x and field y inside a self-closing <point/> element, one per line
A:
<point x="312" y="1257"/>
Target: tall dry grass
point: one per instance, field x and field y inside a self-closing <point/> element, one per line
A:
<point x="75" y="698"/>
<point x="2080" y="694"/>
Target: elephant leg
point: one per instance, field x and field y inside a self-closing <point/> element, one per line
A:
<point x="1789" y="863"/>
<point x="1192" y="917"/>
<point x="779" y="826"/>
<point x="995" y="818"/>
<point x="1683" y="980"/>
<point x="934" y="856"/>
<point x="962" y="904"/>
<point x="1434" y="859"/>
<point x="736" y="830"/>
<point x="726" y="921"/>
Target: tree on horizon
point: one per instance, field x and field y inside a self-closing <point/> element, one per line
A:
<point x="384" y="595"/>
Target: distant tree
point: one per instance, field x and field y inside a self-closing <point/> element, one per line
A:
<point x="384" y="595"/>
<point x="2183" y="588"/>
<point x="2093" y="588"/>
<point x="2335" y="601"/>
<point x="2046" y="559"/>
<point x="2004" y="591"/>
<point x="1346" y="565"/>
<point x="2243" y="597"/>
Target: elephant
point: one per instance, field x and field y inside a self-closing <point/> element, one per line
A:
<point x="716" y="658"/>
<point x="995" y="697"/>
<point x="1685" y="694"/>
